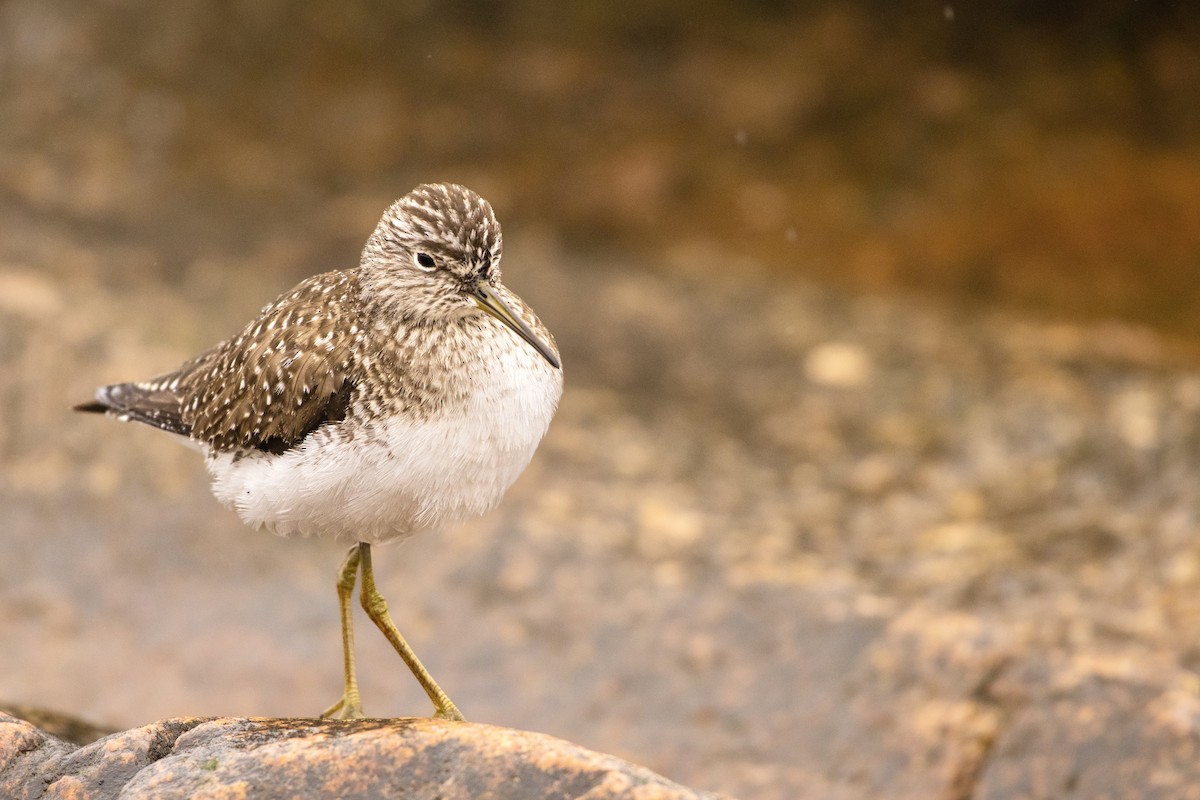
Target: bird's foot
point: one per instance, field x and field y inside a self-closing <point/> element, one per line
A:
<point x="345" y="709"/>
<point x="449" y="712"/>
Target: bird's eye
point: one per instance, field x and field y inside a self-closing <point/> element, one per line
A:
<point x="425" y="261"/>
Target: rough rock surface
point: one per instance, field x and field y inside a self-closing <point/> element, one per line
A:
<point x="200" y="757"/>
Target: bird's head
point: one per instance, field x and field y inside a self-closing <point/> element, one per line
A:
<point x="436" y="254"/>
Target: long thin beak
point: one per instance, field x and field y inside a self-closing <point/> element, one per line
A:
<point x="487" y="299"/>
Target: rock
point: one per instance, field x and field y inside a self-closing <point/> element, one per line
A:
<point x="63" y="726"/>
<point x="199" y="757"/>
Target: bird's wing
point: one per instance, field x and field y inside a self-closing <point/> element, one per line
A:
<point x="284" y="375"/>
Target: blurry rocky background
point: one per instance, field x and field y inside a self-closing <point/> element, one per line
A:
<point x="876" y="474"/>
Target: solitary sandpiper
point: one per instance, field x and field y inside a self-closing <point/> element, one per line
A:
<point x="371" y="403"/>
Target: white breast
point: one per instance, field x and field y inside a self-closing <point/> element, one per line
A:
<point x="393" y="477"/>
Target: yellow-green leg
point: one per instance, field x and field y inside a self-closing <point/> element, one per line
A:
<point x="376" y="608"/>
<point x="350" y="706"/>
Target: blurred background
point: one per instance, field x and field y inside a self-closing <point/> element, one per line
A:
<point x="875" y="472"/>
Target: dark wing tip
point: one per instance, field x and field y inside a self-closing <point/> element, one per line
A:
<point x="92" y="407"/>
<point x="141" y="402"/>
<point x="107" y="398"/>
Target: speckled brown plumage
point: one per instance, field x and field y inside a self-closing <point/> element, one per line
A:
<point x="320" y="348"/>
<point x="269" y="386"/>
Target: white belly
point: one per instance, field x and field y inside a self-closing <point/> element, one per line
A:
<point x="397" y="477"/>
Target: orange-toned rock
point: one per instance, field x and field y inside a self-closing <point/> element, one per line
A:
<point x="289" y="758"/>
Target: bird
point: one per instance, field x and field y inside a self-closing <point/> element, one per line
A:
<point x="371" y="403"/>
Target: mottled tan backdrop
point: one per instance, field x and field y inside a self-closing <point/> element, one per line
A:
<point x="876" y="470"/>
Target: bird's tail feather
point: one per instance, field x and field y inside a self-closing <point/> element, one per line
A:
<point x="149" y="404"/>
